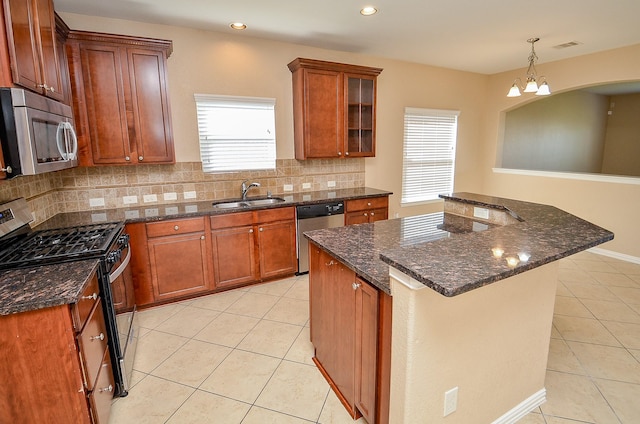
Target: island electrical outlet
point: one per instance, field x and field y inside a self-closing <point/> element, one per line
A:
<point x="450" y="401"/>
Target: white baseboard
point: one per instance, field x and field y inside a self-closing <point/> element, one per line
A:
<point x="615" y="255"/>
<point x="521" y="410"/>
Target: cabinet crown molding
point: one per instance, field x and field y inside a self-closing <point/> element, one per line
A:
<point x="334" y="66"/>
<point x="143" y="42"/>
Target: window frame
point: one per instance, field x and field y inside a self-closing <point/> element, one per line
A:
<point x="413" y="192"/>
<point x="244" y="157"/>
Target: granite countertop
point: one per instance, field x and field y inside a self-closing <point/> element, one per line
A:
<point x="27" y="289"/>
<point x="156" y="212"/>
<point x="453" y="254"/>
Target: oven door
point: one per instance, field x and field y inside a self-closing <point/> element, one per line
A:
<point x="121" y="284"/>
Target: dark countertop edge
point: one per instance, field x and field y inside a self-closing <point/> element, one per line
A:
<point x="205" y="208"/>
<point x="79" y="285"/>
<point x="385" y="287"/>
<point x="497" y="277"/>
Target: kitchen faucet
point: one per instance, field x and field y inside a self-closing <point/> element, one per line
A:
<point x="246" y="188"/>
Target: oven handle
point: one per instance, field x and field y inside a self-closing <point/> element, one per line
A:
<point x="115" y="274"/>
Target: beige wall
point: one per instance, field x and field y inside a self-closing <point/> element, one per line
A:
<point x="612" y="205"/>
<point x="220" y="63"/>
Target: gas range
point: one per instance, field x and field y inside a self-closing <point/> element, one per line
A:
<point x="20" y="246"/>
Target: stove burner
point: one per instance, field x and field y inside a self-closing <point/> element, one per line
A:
<point x="60" y="244"/>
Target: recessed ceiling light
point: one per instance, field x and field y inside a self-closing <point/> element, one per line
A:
<point x="368" y="11"/>
<point x="238" y="25"/>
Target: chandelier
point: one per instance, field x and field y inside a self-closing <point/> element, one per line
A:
<point x="532" y="77"/>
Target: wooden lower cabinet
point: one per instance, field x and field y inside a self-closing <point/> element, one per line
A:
<point x="361" y="211"/>
<point x="179" y="258"/>
<point x="350" y="335"/>
<point x="233" y="249"/>
<point x="56" y="359"/>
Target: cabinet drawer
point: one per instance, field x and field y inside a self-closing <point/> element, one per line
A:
<point x="101" y="397"/>
<point x="180" y="226"/>
<point x="278" y="214"/>
<point x="369" y="203"/>
<point x="93" y="342"/>
<point x="82" y="308"/>
<point x="237" y="219"/>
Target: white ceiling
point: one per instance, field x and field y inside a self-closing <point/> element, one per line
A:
<point x="485" y="36"/>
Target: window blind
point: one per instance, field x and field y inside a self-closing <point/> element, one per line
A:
<point x="236" y="133"/>
<point x="429" y="153"/>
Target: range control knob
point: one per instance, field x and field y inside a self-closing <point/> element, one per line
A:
<point x="113" y="257"/>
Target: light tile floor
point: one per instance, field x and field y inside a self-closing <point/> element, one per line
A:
<point x="244" y="356"/>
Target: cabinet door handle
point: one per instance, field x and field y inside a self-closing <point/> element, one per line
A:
<point x="251" y="230"/>
<point x="176" y="228"/>
<point x="98" y="337"/>
<point x="261" y="229"/>
<point x="92" y="296"/>
<point x="8" y="170"/>
<point x="355" y="286"/>
<point x="339" y="153"/>
<point x="368" y="203"/>
<point x="346" y="153"/>
<point x="366" y="214"/>
<point x="127" y="158"/>
<point x="330" y="263"/>
<point x="201" y="237"/>
<point x="140" y="158"/>
<point x="106" y="389"/>
<point x="372" y="213"/>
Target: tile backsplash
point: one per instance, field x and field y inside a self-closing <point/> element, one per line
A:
<point x="105" y="187"/>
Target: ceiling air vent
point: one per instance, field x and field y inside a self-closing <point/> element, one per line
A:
<point x="567" y="44"/>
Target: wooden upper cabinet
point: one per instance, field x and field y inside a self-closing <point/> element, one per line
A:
<point x="122" y="102"/>
<point x="31" y="38"/>
<point x="333" y="109"/>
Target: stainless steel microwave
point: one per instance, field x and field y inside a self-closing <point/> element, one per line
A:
<point x="37" y="133"/>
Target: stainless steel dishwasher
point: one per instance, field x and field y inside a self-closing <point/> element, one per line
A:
<point x="315" y="217"/>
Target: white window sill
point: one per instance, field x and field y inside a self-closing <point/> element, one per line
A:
<point x="617" y="179"/>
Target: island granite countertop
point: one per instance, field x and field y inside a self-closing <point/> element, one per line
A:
<point x="453" y="254"/>
<point x="28" y="289"/>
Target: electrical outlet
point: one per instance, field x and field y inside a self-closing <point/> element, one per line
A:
<point x="306" y="186"/>
<point x="148" y="198"/>
<point x="481" y="212"/>
<point x="288" y="187"/>
<point x="170" y="196"/>
<point x="189" y="194"/>
<point x="450" y="401"/>
<point x="331" y="183"/>
<point x="96" y="202"/>
<point x="129" y="200"/>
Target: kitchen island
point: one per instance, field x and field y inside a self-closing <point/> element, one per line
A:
<point x="465" y="305"/>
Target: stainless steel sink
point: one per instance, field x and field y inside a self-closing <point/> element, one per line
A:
<point x="247" y="203"/>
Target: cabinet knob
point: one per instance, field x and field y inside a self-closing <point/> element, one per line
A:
<point x="127" y="158"/>
<point x="251" y="230"/>
<point x="140" y="158"/>
<point x="8" y="170"/>
<point x="176" y="228"/>
<point x="339" y="153"/>
<point x="93" y="296"/>
<point x="368" y="203"/>
<point x="372" y="213"/>
<point x="346" y="153"/>
<point x="330" y="263"/>
<point x="366" y="214"/>
<point x="106" y="389"/>
<point x="261" y="229"/>
<point x="98" y="337"/>
<point x="201" y="237"/>
<point x="355" y="286"/>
